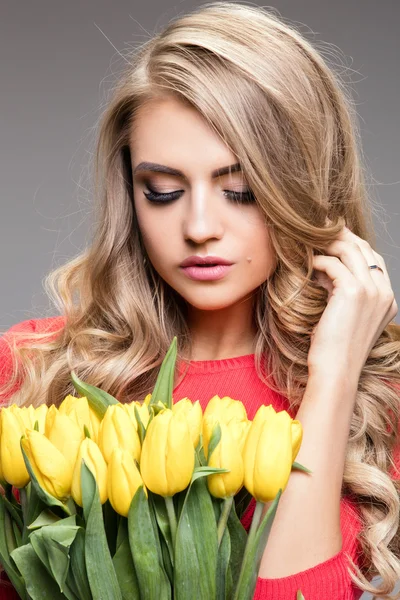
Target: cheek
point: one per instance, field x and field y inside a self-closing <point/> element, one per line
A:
<point x="261" y="250"/>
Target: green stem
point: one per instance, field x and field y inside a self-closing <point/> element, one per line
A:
<point x="223" y="518"/>
<point x="169" y="503"/>
<point x="24" y="505"/>
<point x="250" y="538"/>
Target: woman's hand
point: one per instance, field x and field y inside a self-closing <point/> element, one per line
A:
<point x="360" y="305"/>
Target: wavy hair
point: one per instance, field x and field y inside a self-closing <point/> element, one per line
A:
<point x="289" y="118"/>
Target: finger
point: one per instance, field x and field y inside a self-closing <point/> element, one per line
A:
<point x="372" y="257"/>
<point x="336" y="270"/>
<point x="350" y="254"/>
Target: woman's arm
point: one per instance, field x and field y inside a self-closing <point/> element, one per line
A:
<point x="306" y="530"/>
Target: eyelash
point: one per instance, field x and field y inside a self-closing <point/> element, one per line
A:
<point x="158" y="198"/>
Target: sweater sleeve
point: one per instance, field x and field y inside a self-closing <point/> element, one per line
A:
<point x="328" y="579"/>
<point x="6" y="362"/>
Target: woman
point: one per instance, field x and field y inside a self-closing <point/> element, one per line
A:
<point x="230" y="140"/>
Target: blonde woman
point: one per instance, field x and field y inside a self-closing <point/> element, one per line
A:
<point x="229" y="141"/>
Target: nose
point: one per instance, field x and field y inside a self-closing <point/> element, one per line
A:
<point x="203" y="215"/>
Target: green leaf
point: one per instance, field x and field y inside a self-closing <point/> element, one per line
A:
<point x="201" y="457"/>
<point x="14" y="511"/>
<point x="123" y="564"/>
<point x="39" y="583"/>
<point x="253" y="554"/>
<point x="103" y="581"/>
<point x="238" y="537"/>
<point x="78" y="566"/>
<point x="299" y="595"/>
<point x="141" y="427"/>
<point x="300" y="467"/>
<point x="196" y="546"/>
<point x="111" y="521"/>
<point x="46" y="517"/>
<point x="98" y="399"/>
<point x="8" y="528"/>
<point x="224" y="576"/>
<point x="17" y="534"/>
<point x="41" y="493"/>
<point x="214" y="439"/>
<point x="52" y="544"/>
<point x="146" y="550"/>
<point x="8" y="565"/>
<point x="204" y="471"/>
<point x="165" y="381"/>
<point x="161" y="514"/>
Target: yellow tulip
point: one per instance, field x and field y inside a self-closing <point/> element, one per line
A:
<point x="48" y="464"/>
<point x="228" y="411"/>
<point x="118" y="430"/>
<point x="28" y="415"/>
<point x="167" y="460"/>
<point x="12" y="460"/>
<point x="193" y="413"/>
<point x="123" y="480"/>
<point x="91" y="453"/>
<point x="79" y="409"/>
<point x="226" y="455"/>
<point x="143" y="411"/>
<point x="25" y="414"/>
<point x="64" y="433"/>
<point x="272" y="444"/>
<point x="40" y="416"/>
<point x="227" y="408"/>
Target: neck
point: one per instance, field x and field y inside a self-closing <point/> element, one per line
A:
<point x="223" y="333"/>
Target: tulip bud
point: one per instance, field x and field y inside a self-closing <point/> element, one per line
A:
<point x="271" y="446"/>
<point x="40" y="416"/>
<point x="48" y="464"/>
<point x="167" y="460"/>
<point x="226" y="408"/>
<point x="64" y="433"/>
<point x="226" y="455"/>
<point x="118" y="430"/>
<point x="193" y="413"/>
<point x="142" y="409"/>
<point x="90" y="452"/>
<point x="123" y="480"/>
<point x="228" y="411"/>
<point x="79" y="409"/>
<point x="12" y="460"/>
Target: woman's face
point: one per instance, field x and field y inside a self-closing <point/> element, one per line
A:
<point x="202" y="217"/>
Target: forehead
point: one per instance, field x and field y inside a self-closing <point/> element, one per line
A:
<point x="167" y="130"/>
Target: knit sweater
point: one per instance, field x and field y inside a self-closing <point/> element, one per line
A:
<point x="237" y="378"/>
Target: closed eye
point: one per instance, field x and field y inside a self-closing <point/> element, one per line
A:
<point x="246" y="197"/>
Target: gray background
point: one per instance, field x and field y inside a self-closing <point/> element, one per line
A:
<point x="58" y="61"/>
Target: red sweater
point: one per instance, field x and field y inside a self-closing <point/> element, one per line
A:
<point x="237" y="378"/>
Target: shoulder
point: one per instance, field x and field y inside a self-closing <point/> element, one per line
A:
<point x="15" y="334"/>
<point x="42" y="325"/>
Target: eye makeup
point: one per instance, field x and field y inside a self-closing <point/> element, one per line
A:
<point x="245" y="197"/>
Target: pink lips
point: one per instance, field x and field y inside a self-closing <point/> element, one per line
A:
<point x="196" y="260"/>
<point x="206" y="268"/>
<point x="207" y="273"/>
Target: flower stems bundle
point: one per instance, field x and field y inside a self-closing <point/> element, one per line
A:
<point x="140" y="501"/>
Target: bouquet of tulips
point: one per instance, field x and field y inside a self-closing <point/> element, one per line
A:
<point x="140" y="501"/>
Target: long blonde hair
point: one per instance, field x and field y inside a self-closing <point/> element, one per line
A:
<point x="288" y="117"/>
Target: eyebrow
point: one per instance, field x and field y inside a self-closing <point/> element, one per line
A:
<point x="149" y="166"/>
